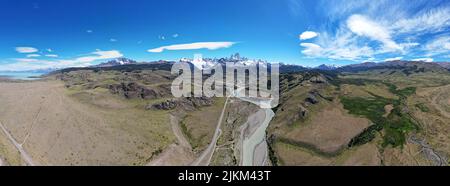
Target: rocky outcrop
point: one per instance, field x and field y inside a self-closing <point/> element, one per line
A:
<point x="303" y="113"/>
<point x="198" y="102"/>
<point x="166" y="105"/>
<point x="311" y="99"/>
<point x="133" y="90"/>
<point x="189" y="103"/>
<point x="318" y="79"/>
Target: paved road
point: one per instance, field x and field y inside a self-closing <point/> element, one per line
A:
<point x="23" y="153"/>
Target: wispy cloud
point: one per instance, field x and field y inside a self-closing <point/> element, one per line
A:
<point x="26" y="60"/>
<point x="113" y="40"/>
<point x="26" y="49"/>
<point x="97" y="55"/>
<point x="20" y="64"/>
<point x="435" y="20"/>
<point x="194" y="46"/>
<point x="175" y="35"/>
<point x="363" y="26"/>
<point x="52" y="55"/>
<point x="342" y="46"/>
<point x="33" y="55"/>
<point x="381" y="29"/>
<point x="440" y="45"/>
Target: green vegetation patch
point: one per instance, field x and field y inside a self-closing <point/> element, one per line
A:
<point x="195" y="142"/>
<point x="395" y="126"/>
<point x="422" y="107"/>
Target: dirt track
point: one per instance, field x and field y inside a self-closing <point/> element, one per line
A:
<point x="19" y="147"/>
<point x="205" y="157"/>
<point x="56" y="128"/>
<point x="175" y="154"/>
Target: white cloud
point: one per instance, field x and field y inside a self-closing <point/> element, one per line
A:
<point x="363" y="26"/>
<point x="393" y="59"/>
<point x="311" y="49"/>
<point x="194" y="46"/>
<point x="113" y="40"/>
<point x="49" y="50"/>
<point x="424" y="59"/>
<point x="308" y="35"/>
<point x="33" y="55"/>
<point x="89" y="31"/>
<point x="26" y="49"/>
<point x="51" y="55"/>
<point x="175" y="35"/>
<point x="343" y="46"/>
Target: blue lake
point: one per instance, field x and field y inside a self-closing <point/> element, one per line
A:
<point x="21" y="75"/>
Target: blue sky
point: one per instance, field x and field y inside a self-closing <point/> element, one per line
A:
<point x="55" y="34"/>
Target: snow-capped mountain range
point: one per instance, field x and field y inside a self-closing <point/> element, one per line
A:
<point x="116" y="62"/>
<point x="327" y="67"/>
<point x="208" y="63"/>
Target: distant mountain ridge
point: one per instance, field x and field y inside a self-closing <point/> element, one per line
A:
<point x="327" y="67"/>
<point x="407" y="67"/>
<point x="412" y="66"/>
<point x="116" y="62"/>
<point x="444" y="64"/>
